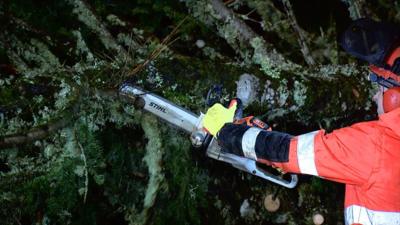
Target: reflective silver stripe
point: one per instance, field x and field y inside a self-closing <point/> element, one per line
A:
<point x="305" y="153"/>
<point x="365" y="216"/>
<point x="249" y="142"/>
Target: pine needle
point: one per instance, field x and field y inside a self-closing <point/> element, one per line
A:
<point x="165" y="43"/>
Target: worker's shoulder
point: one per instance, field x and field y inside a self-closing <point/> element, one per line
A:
<point x="386" y="121"/>
<point x="391" y="121"/>
<point x="374" y="127"/>
<point x="368" y="131"/>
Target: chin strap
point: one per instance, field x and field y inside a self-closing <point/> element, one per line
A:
<point x="385" y="82"/>
<point x="396" y="66"/>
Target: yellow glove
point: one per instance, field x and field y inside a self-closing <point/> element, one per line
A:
<point x="217" y="116"/>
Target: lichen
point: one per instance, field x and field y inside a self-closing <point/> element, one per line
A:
<point x="201" y="10"/>
<point x="273" y="19"/>
<point x="259" y="57"/>
<point x="35" y="52"/>
<point x="354" y="8"/>
<point x="115" y="21"/>
<point x="128" y="41"/>
<point x="153" y="159"/>
<point x="299" y="94"/>
<point x="246" y="211"/>
<point x="211" y="53"/>
<point x="14" y="125"/>
<point x="225" y="212"/>
<point x="82" y="48"/>
<point x="228" y="32"/>
<point x="268" y="94"/>
<point x="61" y="97"/>
<point x="154" y="77"/>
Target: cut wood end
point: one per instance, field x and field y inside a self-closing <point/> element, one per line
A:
<point x="318" y="219"/>
<point x="271" y="204"/>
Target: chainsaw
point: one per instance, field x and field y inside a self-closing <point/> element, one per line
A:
<point x="191" y="123"/>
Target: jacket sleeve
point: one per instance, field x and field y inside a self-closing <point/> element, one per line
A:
<point x="346" y="155"/>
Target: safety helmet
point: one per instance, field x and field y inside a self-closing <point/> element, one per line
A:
<point x="391" y="99"/>
<point x="379" y="44"/>
<point x="390" y="79"/>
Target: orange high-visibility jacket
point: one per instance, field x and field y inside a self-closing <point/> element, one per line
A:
<point x="364" y="156"/>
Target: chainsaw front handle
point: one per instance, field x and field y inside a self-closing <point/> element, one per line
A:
<point x="248" y="165"/>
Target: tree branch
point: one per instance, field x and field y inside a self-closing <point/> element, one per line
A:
<point x="35" y="133"/>
<point x="240" y="36"/>
<point x="87" y="17"/>
<point x="300" y="33"/>
<point x="59" y="121"/>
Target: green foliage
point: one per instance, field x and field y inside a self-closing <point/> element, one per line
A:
<point x="153" y="13"/>
<point x="124" y="184"/>
<point x="56" y="194"/>
<point x="78" y="168"/>
<point x="186" y="193"/>
<point x="53" y="193"/>
<point x="7" y="94"/>
<point x="44" y="15"/>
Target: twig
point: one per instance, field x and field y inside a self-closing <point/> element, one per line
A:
<point x="300" y="33"/>
<point x="229" y="2"/>
<point x="356" y="8"/>
<point x="17" y="220"/>
<point x="60" y="121"/>
<point x="86" y="171"/>
<point x="21" y="173"/>
<point x="16" y="60"/>
<point x="34" y="134"/>
<point x="17" y="22"/>
<point x="276" y="192"/>
<point x="138" y="174"/>
<point x="163" y="45"/>
<point x="152" y="56"/>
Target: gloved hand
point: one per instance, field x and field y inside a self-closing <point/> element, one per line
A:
<point x="217" y="116"/>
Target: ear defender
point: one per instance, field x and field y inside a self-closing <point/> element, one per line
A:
<point x="391" y="99"/>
